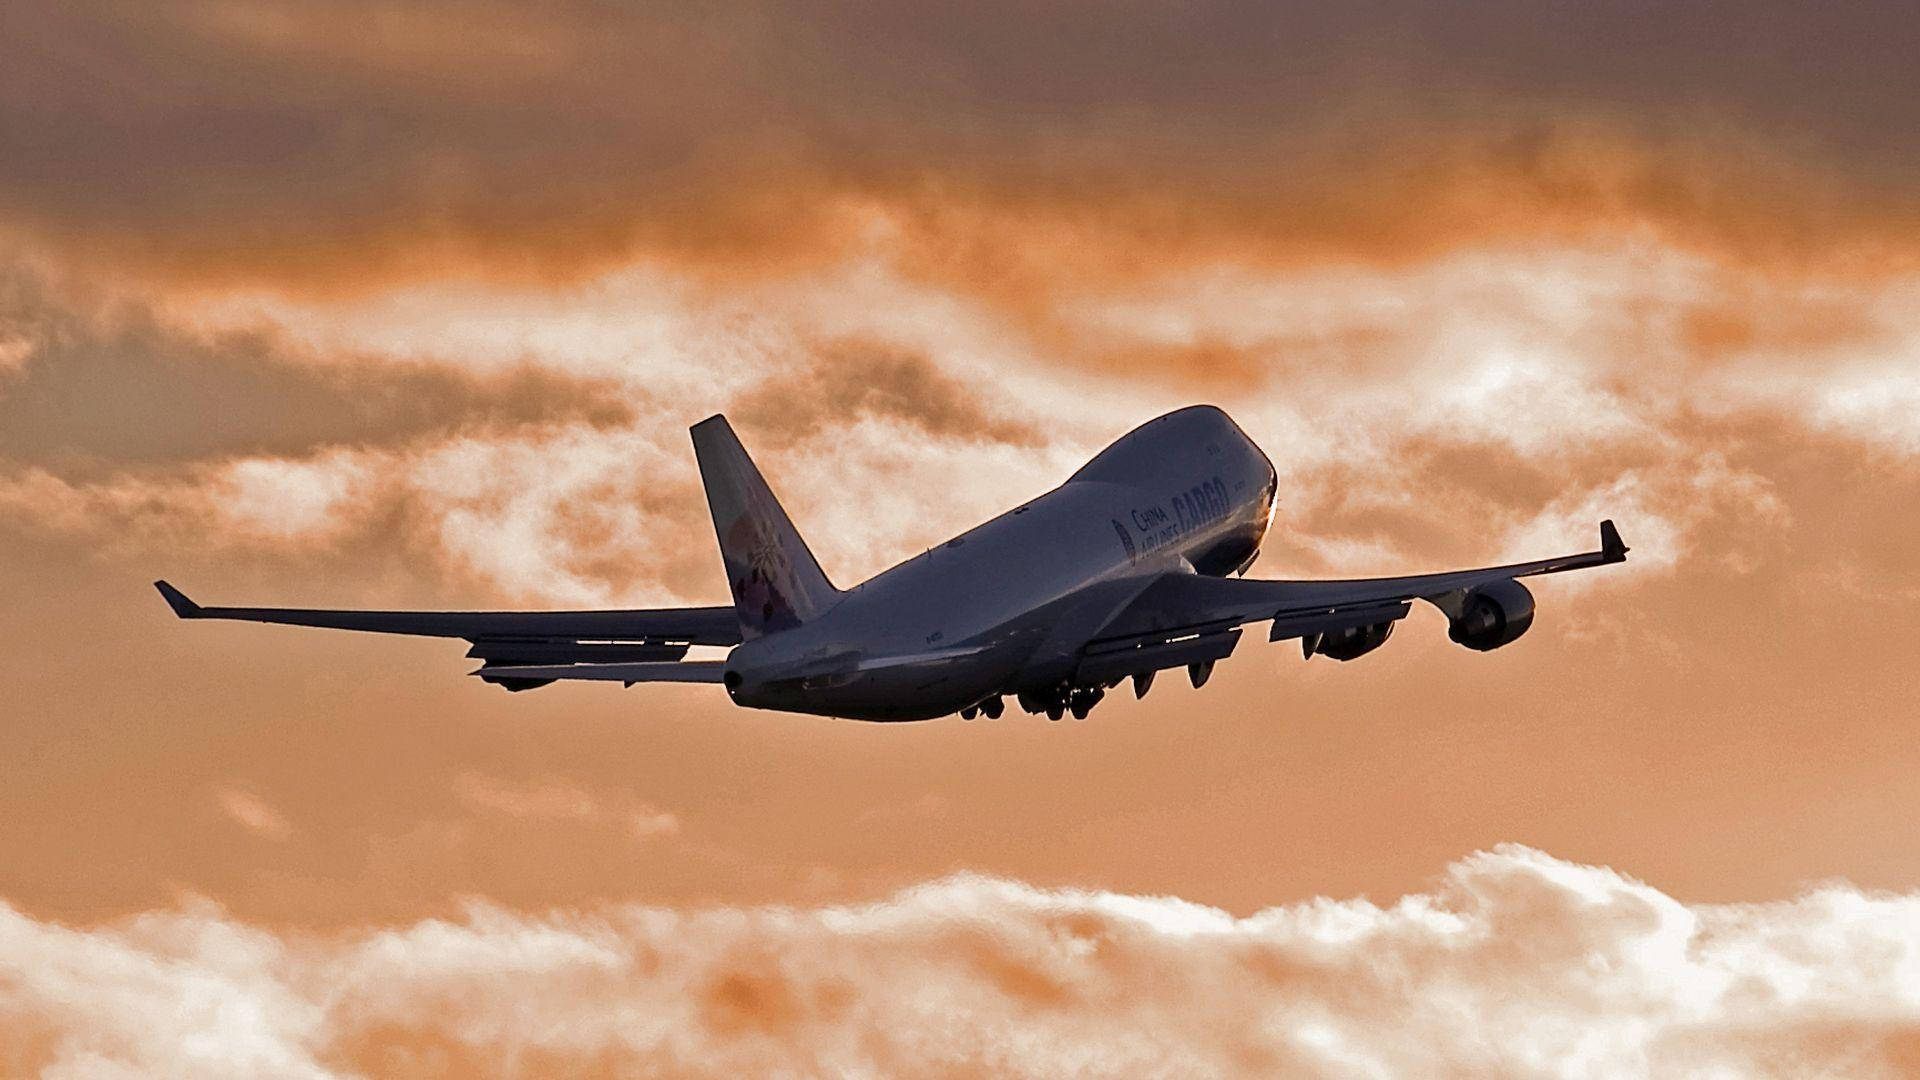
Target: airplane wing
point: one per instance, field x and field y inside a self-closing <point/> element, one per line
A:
<point x="1188" y="618"/>
<point x="515" y="639"/>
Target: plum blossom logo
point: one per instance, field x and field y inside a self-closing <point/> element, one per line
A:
<point x="759" y="572"/>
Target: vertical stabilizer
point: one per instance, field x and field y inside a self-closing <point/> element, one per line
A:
<point x="777" y="584"/>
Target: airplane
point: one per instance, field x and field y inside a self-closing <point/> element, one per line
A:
<point x="1131" y="567"/>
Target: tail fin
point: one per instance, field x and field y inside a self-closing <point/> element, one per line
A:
<point x="777" y="584"/>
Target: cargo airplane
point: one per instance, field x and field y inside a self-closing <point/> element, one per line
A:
<point x="1129" y="568"/>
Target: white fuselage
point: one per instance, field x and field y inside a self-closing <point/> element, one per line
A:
<point x="1004" y="607"/>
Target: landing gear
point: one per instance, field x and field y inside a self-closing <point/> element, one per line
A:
<point x="991" y="708"/>
<point x="1083" y="700"/>
<point x="1057" y="701"/>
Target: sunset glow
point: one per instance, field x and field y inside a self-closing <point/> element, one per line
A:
<point x="411" y="304"/>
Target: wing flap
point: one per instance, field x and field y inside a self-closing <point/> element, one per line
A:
<point x="511" y="651"/>
<point x="1336" y="619"/>
<point x="1148" y="657"/>
<point x="686" y="671"/>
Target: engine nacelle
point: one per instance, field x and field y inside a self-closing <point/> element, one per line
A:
<point x="1355" y="641"/>
<point x="1492" y="616"/>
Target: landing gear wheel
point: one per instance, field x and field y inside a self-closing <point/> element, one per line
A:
<point x="1083" y="700"/>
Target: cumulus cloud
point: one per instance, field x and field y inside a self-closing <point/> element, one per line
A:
<point x="1513" y="964"/>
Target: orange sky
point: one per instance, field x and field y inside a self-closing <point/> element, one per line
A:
<point x="396" y="305"/>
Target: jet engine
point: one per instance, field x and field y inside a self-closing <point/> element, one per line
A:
<point x="1492" y="616"/>
<point x="1355" y="641"/>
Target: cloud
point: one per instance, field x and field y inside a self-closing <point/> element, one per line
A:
<point x="252" y="813"/>
<point x="1490" y="403"/>
<point x="1485" y="404"/>
<point x="251" y="503"/>
<point x="1500" y="400"/>
<point x="553" y="468"/>
<point x="340" y="146"/>
<point x="14" y="350"/>
<point x="555" y="800"/>
<point x="850" y="380"/>
<point x="1513" y="964"/>
<point x="83" y="385"/>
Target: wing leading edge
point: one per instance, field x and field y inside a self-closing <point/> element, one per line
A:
<point x="693" y="625"/>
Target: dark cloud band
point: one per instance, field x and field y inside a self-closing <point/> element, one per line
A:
<point x="341" y="143"/>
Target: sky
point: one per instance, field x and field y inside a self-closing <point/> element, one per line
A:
<point x="391" y="305"/>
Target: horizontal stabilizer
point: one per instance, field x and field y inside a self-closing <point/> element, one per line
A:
<point x="689" y="671"/>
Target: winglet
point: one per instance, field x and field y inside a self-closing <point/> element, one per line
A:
<point x="178" y="601"/>
<point x="1611" y="546"/>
